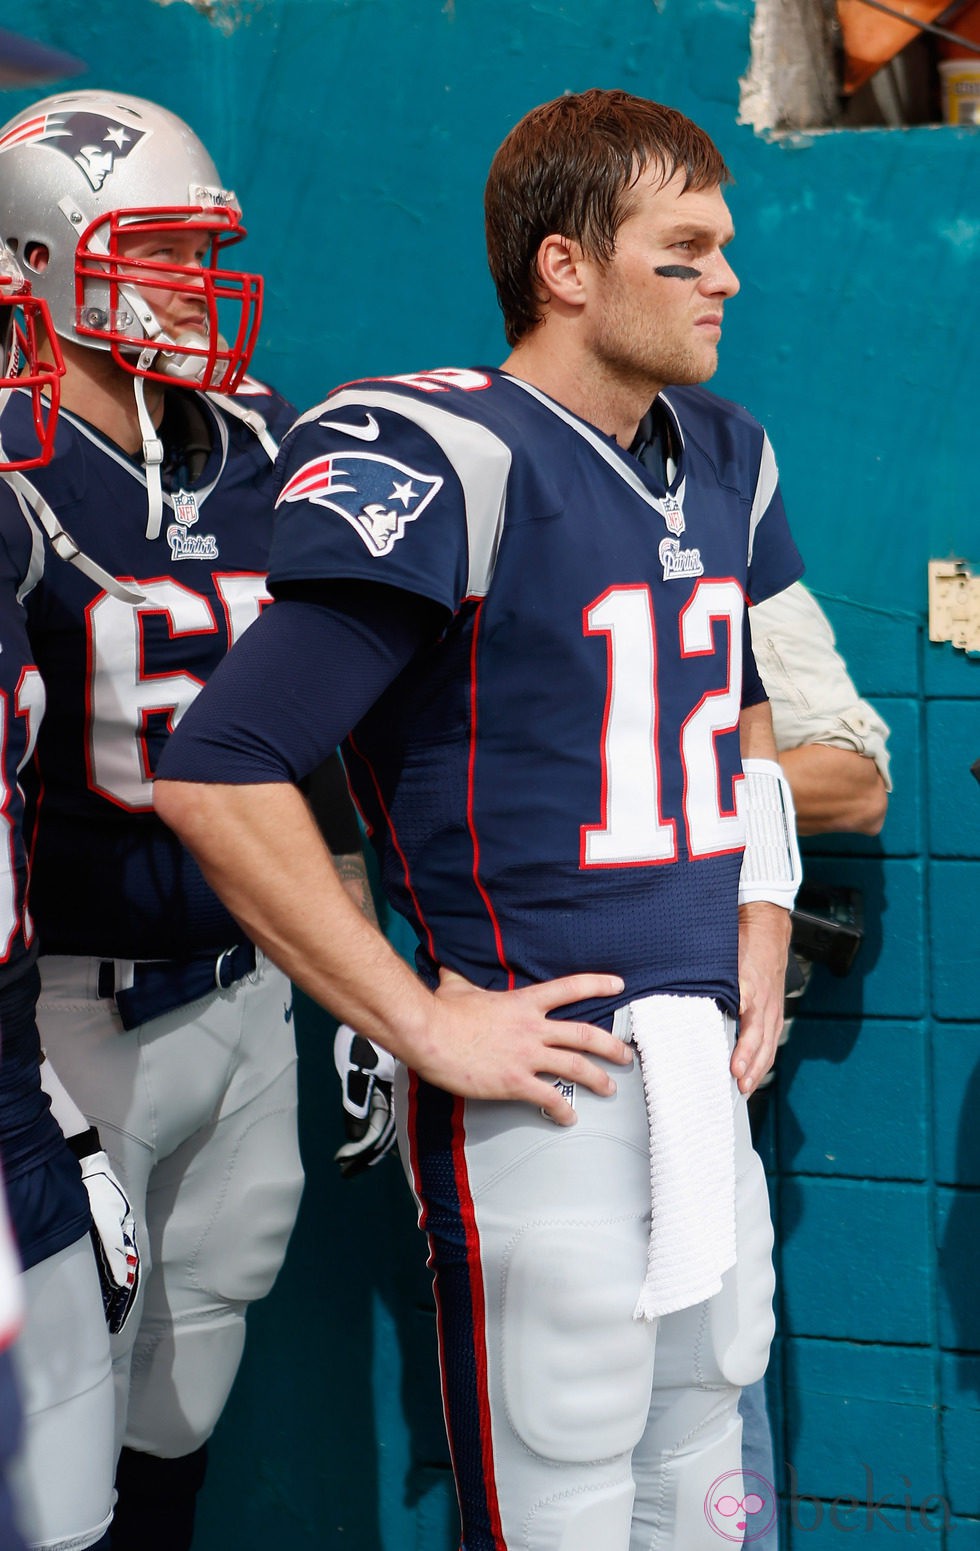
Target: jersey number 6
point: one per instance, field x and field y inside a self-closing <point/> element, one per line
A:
<point x="127" y="688"/>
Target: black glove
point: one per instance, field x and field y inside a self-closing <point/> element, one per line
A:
<point x="366" y="1074"/>
<point x="113" y="1229"/>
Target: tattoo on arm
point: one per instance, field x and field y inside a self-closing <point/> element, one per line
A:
<point x="353" y="875"/>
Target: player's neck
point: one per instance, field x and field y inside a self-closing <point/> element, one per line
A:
<point x="579" y="382"/>
<point x="101" y="393"/>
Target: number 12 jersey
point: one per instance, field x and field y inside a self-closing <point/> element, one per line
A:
<point x="552" y="785"/>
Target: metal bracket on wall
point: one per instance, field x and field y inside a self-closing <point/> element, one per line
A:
<point x="954" y="604"/>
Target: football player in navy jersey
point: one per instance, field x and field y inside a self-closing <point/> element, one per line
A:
<point x="169" y="1031"/>
<point x="58" y="1183"/>
<point x="537" y="592"/>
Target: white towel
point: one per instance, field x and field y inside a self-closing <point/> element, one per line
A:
<point x="684" y="1056"/>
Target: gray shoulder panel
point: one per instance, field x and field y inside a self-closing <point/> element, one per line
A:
<point x="481" y="461"/>
<point x="765" y="489"/>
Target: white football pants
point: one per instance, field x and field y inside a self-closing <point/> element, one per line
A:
<point x="573" y="1427"/>
<point x="61" y="1478"/>
<point x="197" y="1111"/>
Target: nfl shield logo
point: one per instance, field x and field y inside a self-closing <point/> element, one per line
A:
<point x="185" y="508"/>
<point x="673" y="514"/>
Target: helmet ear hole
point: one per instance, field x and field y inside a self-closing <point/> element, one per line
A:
<point x="35" y="255"/>
<point x="24" y="321"/>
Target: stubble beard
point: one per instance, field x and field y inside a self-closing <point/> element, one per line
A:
<point x="652" y="363"/>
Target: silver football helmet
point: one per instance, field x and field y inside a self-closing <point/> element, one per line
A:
<point x="23" y="320"/>
<point x="86" y="177"/>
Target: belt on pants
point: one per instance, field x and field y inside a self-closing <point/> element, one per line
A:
<point x="161" y="985"/>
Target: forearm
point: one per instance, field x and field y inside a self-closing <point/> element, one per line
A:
<point x="352" y="872"/>
<point x="262" y="853"/>
<point x="260" y="850"/>
<point x="834" y="789"/>
<point x="755" y="732"/>
<point x="763" y="942"/>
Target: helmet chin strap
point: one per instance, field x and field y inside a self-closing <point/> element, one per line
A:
<point x="252" y="419"/>
<point x="185" y="369"/>
<point x="152" y="452"/>
<point x="189" y="370"/>
<point x="152" y="445"/>
<point x="62" y="543"/>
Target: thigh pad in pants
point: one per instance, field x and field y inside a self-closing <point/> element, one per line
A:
<point x="730" y="1334"/>
<point x="577" y="1367"/>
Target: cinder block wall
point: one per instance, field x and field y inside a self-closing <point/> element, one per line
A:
<point x="873" y="1151"/>
<point x="357" y="134"/>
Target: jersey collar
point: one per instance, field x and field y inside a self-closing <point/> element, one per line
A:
<point x="669" y="505"/>
<point x="214" y="467"/>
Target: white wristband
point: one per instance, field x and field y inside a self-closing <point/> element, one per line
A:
<point x="771" y="868"/>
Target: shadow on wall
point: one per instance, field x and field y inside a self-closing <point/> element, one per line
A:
<point x="957" y="1064"/>
<point x="856" y="1245"/>
<point x="812" y="1082"/>
<point x="958" y="1236"/>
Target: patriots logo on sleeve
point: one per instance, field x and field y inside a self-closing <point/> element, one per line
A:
<point x="378" y="496"/>
<point x="92" y="140"/>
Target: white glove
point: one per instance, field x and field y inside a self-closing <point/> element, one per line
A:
<point x="113" y="1221"/>
<point x="366" y="1075"/>
<point x="113" y="1229"/>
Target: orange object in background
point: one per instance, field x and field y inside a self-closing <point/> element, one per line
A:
<point x="967" y="25"/>
<point x="959" y="70"/>
<point x="871" y="38"/>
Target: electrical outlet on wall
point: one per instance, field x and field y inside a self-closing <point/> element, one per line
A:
<point x="954" y="604"/>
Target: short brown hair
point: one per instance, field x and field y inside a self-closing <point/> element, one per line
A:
<point x="567" y="168"/>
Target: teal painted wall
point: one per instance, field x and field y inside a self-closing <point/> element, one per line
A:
<point x="357" y="133"/>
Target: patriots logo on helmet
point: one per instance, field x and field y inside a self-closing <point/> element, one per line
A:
<point x="93" y="140"/>
<point x="376" y="495"/>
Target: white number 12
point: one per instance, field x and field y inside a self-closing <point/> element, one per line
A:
<point x="634" y="831"/>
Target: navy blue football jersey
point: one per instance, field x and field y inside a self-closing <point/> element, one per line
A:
<point x="21" y="711"/>
<point x="108" y="877"/>
<point x="48" y="1203"/>
<point x="551" y="786"/>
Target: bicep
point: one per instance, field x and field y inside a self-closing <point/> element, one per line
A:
<point x="295" y="684"/>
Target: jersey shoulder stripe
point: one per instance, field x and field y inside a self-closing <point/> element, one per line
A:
<point x="767" y="483"/>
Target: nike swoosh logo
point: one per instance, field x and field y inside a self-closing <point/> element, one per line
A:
<point x="368" y="432"/>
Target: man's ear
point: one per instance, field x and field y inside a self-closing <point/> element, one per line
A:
<point x="560" y="270"/>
